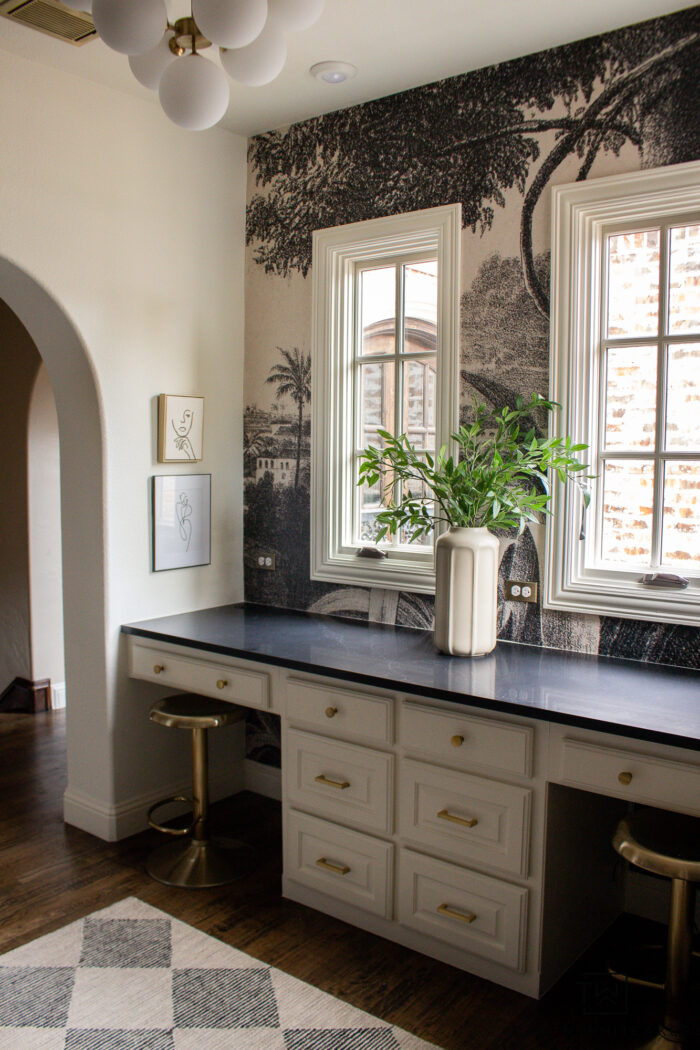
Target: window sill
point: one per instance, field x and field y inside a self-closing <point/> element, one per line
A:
<point x="630" y="601"/>
<point x="391" y="573"/>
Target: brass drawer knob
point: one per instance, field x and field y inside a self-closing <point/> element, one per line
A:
<point x="457" y="740"/>
<point x="331" y="712"/>
<point x="340" y="784"/>
<point x="221" y="683"/>
<point x="452" y="913"/>
<point x="157" y="668"/>
<point x="339" y="869"/>
<point x="625" y="777"/>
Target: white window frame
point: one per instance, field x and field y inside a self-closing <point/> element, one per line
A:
<point x="582" y="213"/>
<point x="336" y="254"/>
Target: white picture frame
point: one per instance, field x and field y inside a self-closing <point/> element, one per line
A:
<point x="181" y="521"/>
<point x="180" y="428"/>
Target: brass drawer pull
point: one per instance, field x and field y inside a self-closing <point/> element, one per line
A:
<point x="341" y="784"/>
<point x="339" y="869"/>
<point x="468" y="822"/>
<point x="221" y="683"/>
<point x="457" y="740"/>
<point x="331" y="712"/>
<point x="625" y="777"/>
<point x="157" y="668"/>
<point x="463" y="916"/>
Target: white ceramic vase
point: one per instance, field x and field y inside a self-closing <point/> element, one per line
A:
<point x="466" y="591"/>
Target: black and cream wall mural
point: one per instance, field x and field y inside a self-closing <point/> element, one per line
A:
<point x="495" y="140"/>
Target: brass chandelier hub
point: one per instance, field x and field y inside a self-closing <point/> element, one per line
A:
<point x="187" y="37"/>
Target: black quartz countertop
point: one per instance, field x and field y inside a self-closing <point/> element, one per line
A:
<point x="648" y="701"/>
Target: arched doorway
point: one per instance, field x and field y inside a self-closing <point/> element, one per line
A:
<point x="80" y="424"/>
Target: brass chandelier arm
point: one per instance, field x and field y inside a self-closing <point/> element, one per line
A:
<point x="187" y="37"/>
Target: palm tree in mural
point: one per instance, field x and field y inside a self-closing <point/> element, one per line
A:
<point x="293" y="379"/>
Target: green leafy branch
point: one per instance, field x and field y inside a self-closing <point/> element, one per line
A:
<point x="497" y="480"/>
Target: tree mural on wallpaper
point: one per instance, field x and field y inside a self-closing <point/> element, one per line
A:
<point x="504" y="337"/>
<point x="488" y="138"/>
<point x="293" y="379"/>
<point x="474" y="136"/>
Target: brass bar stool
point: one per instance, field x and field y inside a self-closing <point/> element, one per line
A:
<point x="668" y="844"/>
<point x="199" y="860"/>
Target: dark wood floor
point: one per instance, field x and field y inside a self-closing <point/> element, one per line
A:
<point x="51" y="874"/>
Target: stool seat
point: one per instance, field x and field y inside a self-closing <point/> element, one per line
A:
<point x="190" y="711"/>
<point x="663" y="843"/>
<point x="668" y="844"/>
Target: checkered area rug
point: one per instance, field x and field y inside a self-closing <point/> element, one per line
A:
<point x="132" y="978"/>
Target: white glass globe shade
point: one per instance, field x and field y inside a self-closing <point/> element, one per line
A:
<point x="259" y="62"/>
<point x="130" y="26"/>
<point x="230" y="23"/>
<point x="77" y="5"/>
<point x="149" y="67"/>
<point x="295" y="15"/>
<point x="194" y="93"/>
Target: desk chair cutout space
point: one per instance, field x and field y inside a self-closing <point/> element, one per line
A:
<point x="199" y="860"/>
<point x="668" y="844"/>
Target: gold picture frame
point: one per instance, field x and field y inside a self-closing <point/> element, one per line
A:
<point x="180" y="428"/>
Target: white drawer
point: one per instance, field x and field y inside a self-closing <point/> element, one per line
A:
<point x="465" y="740"/>
<point x="477" y="821"/>
<point x="249" y="688"/>
<point x="344" y="864"/>
<point x="473" y="912"/>
<point x="627" y="774"/>
<point x="340" y="712"/>
<point x="344" y="782"/>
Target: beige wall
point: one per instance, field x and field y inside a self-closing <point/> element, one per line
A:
<point x="135" y="228"/>
<point x="19" y="363"/>
<point x="44" y="528"/>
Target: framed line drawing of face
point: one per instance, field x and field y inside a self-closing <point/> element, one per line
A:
<point x="181" y="520"/>
<point x="180" y="428"/>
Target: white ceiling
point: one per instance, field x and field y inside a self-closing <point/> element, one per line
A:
<point x="396" y="44"/>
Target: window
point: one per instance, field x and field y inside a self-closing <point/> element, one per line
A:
<point x="395" y="366"/>
<point x="385" y="353"/>
<point x="626" y="367"/>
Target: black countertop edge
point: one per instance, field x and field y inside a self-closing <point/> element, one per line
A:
<point x="147" y="629"/>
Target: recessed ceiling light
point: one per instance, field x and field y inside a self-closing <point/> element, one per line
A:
<point x="333" y="72"/>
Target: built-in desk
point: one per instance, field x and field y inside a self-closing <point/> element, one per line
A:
<point x="462" y="807"/>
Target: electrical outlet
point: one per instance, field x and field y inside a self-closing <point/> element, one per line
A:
<point x="521" y="591"/>
<point x="266" y="560"/>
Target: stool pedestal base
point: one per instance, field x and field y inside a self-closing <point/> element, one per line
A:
<point x="195" y="863"/>
<point x="662" y="1041"/>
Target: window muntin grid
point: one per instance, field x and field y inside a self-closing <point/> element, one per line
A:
<point x="648" y="460"/>
<point x="394" y="370"/>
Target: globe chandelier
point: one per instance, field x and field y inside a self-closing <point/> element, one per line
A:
<point x="194" y="92"/>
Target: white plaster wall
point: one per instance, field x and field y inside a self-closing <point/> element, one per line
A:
<point x="136" y="229"/>
<point x="44" y="527"/>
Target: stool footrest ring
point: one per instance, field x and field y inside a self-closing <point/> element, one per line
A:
<point x="162" y="827"/>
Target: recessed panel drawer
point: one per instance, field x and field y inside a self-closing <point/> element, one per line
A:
<point x="474" y="912"/>
<point x="628" y="774"/>
<point x="340" y="712"/>
<point x="249" y="688"/>
<point x="345" y="782"/>
<point x="341" y="863"/>
<point x="465" y="740"/>
<point x="478" y="821"/>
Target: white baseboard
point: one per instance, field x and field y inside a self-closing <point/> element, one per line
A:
<point x="58" y="695"/>
<point x="262" y="779"/>
<point x="129" y="817"/>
